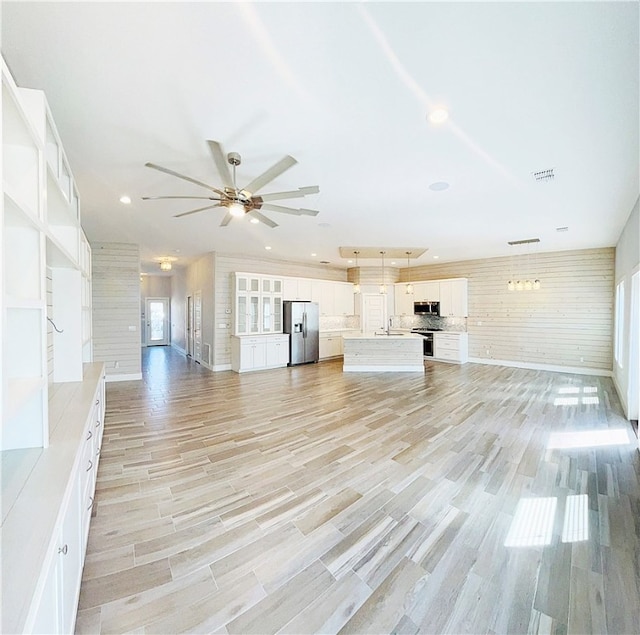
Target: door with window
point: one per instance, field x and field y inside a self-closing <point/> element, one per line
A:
<point x="157" y="312"/>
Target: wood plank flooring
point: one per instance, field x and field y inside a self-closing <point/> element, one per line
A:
<point x="305" y="500"/>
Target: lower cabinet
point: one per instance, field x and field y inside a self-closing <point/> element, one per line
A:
<point x="45" y="532"/>
<point x="330" y="346"/>
<point x="259" y="352"/>
<point x="451" y="347"/>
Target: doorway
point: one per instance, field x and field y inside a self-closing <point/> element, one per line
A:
<point x="633" y="386"/>
<point x="374" y="311"/>
<point x="157" y="312"/>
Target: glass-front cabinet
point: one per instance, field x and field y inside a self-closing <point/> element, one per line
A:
<point x="257" y="304"/>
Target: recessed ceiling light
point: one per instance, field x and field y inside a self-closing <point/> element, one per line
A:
<point x="268" y="248"/>
<point x="313" y="255"/>
<point x="255" y="221"/>
<point x="125" y="200"/>
<point x="439" y="186"/>
<point x="349" y="262"/>
<point x="438" y="115"/>
<point x="393" y="262"/>
<point x="436" y="257"/>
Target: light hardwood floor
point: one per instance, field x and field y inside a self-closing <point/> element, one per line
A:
<point x="305" y="500"/>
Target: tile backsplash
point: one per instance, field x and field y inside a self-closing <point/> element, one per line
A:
<point x="427" y="321"/>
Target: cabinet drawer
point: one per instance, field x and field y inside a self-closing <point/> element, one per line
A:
<point x="453" y="355"/>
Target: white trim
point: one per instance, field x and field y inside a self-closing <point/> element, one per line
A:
<point x="575" y="370"/>
<point x="221" y="367"/>
<point x="128" y="377"/>
<point x="622" y="396"/>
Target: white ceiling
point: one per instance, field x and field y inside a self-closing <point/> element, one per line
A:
<point x="345" y="88"/>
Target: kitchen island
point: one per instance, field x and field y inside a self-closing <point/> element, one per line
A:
<point x="397" y="352"/>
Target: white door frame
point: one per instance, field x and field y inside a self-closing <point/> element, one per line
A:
<point x="165" y="327"/>
<point x="197" y="326"/>
<point x="189" y="327"/>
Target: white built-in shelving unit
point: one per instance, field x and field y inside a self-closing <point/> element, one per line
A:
<point x="51" y="396"/>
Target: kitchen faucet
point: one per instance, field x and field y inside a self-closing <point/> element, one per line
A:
<point x="389" y="325"/>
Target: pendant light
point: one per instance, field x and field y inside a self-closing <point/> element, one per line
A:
<point x="409" y="288"/>
<point x="383" y="286"/>
<point x="356" y="285"/>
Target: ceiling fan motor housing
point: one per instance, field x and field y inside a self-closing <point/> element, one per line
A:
<point x="234" y="158"/>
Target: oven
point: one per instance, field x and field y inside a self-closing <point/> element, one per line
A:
<point x="427" y="342"/>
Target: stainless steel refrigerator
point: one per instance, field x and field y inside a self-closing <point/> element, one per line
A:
<point x="301" y="322"/>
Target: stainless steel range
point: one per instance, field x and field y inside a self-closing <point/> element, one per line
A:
<point x="427" y="336"/>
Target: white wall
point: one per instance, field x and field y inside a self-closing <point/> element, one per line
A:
<point x="116" y="309"/>
<point x="568" y="323"/>
<point x="627" y="262"/>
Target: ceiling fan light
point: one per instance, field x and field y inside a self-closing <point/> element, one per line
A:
<point x="236" y="209"/>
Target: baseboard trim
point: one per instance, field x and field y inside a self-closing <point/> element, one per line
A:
<point x="220" y="367"/>
<point x="574" y="370"/>
<point x="179" y="349"/>
<point x="383" y="369"/>
<point x="127" y="377"/>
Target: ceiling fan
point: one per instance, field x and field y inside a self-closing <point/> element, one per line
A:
<point x="241" y="201"/>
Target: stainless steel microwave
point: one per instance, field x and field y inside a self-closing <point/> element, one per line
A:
<point x="426" y="308"/>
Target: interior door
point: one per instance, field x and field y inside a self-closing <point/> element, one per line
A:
<point x="157" y="312"/>
<point x="374" y="311"/>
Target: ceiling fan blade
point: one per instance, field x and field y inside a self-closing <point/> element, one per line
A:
<point x="270" y="174"/>
<point x="300" y="192"/>
<point x="204" y="198"/>
<point x="226" y="220"/>
<point x="183" y="177"/>
<point x="262" y="218"/>
<point x="221" y="163"/>
<point x="193" y="211"/>
<point x="290" y="210"/>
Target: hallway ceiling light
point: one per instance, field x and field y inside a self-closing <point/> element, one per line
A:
<point x="166" y="263"/>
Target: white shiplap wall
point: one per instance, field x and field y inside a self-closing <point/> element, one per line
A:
<point x="116" y="308"/>
<point x="567" y="323"/>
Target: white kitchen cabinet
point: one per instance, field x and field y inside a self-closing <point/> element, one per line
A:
<point x="453" y="298"/>
<point x="297" y="289"/>
<point x="259" y="352"/>
<point x="330" y="345"/>
<point x="403" y="300"/>
<point x="343" y="298"/>
<point x="257" y="304"/>
<point x="451" y="347"/>
<point x="426" y="291"/>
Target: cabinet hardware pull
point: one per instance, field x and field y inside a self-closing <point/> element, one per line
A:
<point x="98" y="423"/>
<point x="90" y="504"/>
<point x="89" y="435"/>
<point x="63" y="550"/>
<point x="97" y="402"/>
<point x="89" y="466"/>
<point x="54" y="325"/>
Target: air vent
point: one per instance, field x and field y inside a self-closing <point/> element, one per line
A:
<point x="543" y="175"/>
<point x="324" y="262"/>
<point x="562" y="229"/>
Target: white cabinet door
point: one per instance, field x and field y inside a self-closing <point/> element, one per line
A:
<point x="453" y="298"/>
<point x="403" y="300"/>
<point x="277" y="351"/>
<point x="426" y="291"/>
<point x="344" y="298"/>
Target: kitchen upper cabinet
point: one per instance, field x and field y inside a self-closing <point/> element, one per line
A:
<point x="343" y="298"/>
<point x="453" y="298"/>
<point x="257" y="304"/>
<point x="403" y="300"/>
<point x="426" y="291"/>
<point x="297" y="289"/>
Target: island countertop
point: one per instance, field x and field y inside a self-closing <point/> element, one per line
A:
<point x="397" y="352"/>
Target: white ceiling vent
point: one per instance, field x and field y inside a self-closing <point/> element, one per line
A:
<point x="543" y="175"/>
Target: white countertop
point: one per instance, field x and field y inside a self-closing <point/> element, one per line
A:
<point x="371" y="336"/>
